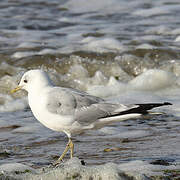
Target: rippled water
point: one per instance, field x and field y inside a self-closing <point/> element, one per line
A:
<point x="125" y="51"/>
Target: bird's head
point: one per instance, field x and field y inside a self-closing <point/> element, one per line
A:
<point x="32" y="80"/>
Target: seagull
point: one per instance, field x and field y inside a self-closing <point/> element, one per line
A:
<point x="72" y="111"/>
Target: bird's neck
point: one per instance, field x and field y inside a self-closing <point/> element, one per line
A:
<point x="37" y="90"/>
<point x="36" y="97"/>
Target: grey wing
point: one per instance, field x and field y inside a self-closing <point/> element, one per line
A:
<point x="65" y="101"/>
<point x="89" y="114"/>
<point x="60" y="102"/>
<point x="85" y="108"/>
<point x="82" y="98"/>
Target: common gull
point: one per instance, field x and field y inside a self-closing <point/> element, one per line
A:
<point x="72" y="111"/>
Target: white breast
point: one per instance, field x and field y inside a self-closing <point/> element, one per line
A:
<point x="53" y="121"/>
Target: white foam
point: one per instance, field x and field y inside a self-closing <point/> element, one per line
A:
<point x="150" y="80"/>
<point x="159" y="30"/>
<point x="152" y="11"/>
<point x="113" y="88"/>
<point x="165" y="30"/>
<point x="15" y="167"/>
<point x="102" y="6"/>
<point x="28" y="45"/>
<point x="78" y="71"/>
<point x="153" y="79"/>
<point x="18" y="55"/>
<point x="102" y="45"/>
<point x="177" y="39"/>
<point x="71" y="169"/>
<point x="133" y="65"/>
<point x="80" y="78"/>
<point x="176" y="31"/>
<point x="47" y="51"/>
<point x="123" y="133"/>
<point x="11" y="104"/>
<point x="10" y="69"/>
<point x="110" y="130"/>
<point x="99" y="79"/>
<point x="145" y="46"/>
<point x="143" y="167"/>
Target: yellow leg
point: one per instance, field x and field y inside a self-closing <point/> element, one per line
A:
<point x="70" y="146"/>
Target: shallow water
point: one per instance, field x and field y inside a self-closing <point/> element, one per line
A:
<point x="125" y="51"/>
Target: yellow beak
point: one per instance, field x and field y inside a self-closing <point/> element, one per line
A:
<point x="16" y="89"/>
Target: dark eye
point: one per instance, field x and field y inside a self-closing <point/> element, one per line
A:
<point x="25" y="81"/>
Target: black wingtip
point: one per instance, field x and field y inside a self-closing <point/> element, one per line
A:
<point x="143" y="108"/>
<point x="167" y="103"/>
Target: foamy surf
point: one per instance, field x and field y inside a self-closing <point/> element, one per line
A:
<point x="124" y="52"/>
<point x="74" y="168"/>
